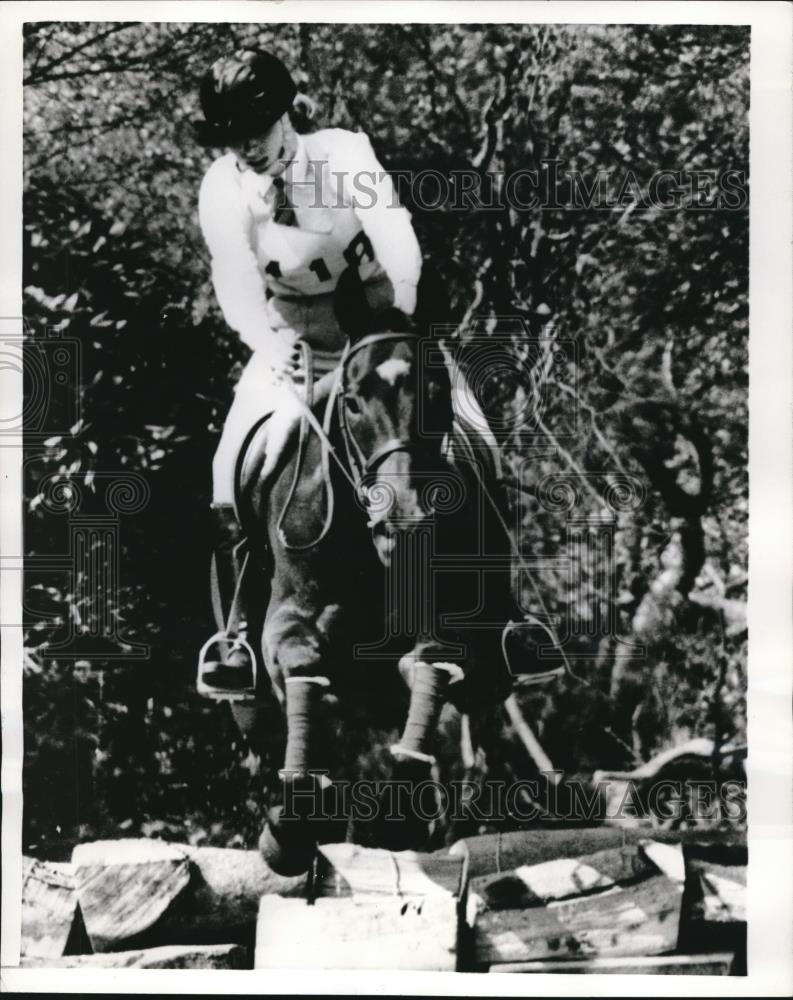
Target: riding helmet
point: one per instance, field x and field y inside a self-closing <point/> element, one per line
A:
<point x="243" y="95"/>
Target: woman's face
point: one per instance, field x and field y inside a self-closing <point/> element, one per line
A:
<point x="271" y="152"/>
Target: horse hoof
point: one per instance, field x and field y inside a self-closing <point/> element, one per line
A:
<point x="288" y="858"/>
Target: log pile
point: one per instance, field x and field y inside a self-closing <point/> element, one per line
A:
<point x="51" y="920"/>
<point x="594" y="900"/>
<point x="131" y="903"/>
<point x="606" y="899"/>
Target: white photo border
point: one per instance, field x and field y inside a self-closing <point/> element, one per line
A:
<point x="770" y="687"/>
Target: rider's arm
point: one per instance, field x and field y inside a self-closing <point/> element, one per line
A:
<point x="238" y="283"/>
<point x="383" y="219"/>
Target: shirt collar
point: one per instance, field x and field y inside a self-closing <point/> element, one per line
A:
<point x="296" y="169"/>
<point x="306" y="183"/>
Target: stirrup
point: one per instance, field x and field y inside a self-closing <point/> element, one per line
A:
<point x="205" y="665"/>
<point x="522" y="677"/>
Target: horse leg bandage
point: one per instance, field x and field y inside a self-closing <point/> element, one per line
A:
<point x="428" y="692"/>
<point x="303" y="695"/>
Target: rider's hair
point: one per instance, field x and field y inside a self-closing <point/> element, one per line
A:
<point x="302" y="113"/>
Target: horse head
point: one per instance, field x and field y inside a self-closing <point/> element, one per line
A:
<point x="394" y="410"/>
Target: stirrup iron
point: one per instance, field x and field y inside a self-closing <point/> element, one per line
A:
<point x="207" y="664"/>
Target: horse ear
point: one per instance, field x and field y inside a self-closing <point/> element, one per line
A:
<point x="353" y="313"/>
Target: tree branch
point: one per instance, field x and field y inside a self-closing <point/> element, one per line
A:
<point x="44" y="76"/>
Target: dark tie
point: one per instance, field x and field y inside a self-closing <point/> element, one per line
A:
<point x="283" y="210"/>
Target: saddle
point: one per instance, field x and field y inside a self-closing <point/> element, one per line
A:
<point x="264" y="448"/>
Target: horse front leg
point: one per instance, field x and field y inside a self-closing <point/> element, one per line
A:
<point x="429" y="684"/>
<point x="288" y="841"/>
<point x="405" y="821"/>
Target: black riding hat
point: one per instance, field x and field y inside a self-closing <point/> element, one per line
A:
<point x="243" y="95"/>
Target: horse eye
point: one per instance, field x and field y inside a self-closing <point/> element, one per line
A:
<point x="352" y="404"/>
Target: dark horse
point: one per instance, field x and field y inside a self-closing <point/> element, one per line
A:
<point x="388" y="570"/>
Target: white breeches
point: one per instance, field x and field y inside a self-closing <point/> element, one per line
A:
<point x="257" y="394"/>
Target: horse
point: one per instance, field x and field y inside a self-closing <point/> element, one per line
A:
<point x="378" y="545"/>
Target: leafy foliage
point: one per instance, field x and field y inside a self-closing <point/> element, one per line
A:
<point x="652" y="301"/>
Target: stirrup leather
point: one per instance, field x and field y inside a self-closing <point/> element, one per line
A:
<point x="232" y="636"/>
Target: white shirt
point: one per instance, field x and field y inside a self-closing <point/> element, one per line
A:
<point x="345" y="211"/>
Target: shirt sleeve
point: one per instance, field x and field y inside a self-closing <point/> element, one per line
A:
<point x="236" y="278"/>
<point x="387" y="223"/>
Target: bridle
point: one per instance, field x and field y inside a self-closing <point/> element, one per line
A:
<point x="358" y="467"/>
<point x="361" y="465"/>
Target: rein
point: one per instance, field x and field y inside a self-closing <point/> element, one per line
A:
<point x="359" y="465"/>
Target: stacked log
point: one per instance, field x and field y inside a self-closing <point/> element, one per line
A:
<point x="135" y="897"/>
<point x="145" y="893"/>
<point x="714" y="906"/>
<point x="592" y="900"/>
<point x="369" y="909"/>
<point x="607" y="898"/>
<point x="51" y="923"/>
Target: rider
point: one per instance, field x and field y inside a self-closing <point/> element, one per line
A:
<point x="283" y="215"/>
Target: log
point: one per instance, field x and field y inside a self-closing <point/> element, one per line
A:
<point x="226" y="886"/>
<point x="615" y="901"/>
<point x="561" y="878"/>
<point x="214" y="956"/>
<point x="714" y="904"/>
<point x="718" y="964"/>
<point x="50" y="918"/>
<point x="640" y="919"/>
<point x="386" y="933"/>
<point x="370" y="909"/>
<point x="720" y="895"/>
<point x="141" y="893"/>
<point x="350" y="870"/>
<point x="494" y="852"/>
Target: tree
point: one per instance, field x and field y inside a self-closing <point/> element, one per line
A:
<point x="647" y="305"/>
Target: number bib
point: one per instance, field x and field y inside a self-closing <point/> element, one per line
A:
<point x="307" y="258"/>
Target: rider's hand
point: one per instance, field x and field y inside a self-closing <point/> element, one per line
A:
<point x="286" y="362"/>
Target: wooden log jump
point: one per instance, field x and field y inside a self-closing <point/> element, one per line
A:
<point x="50" y="915"/>
<point x="604" y="899"/>
<point x="141" y="893"/>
